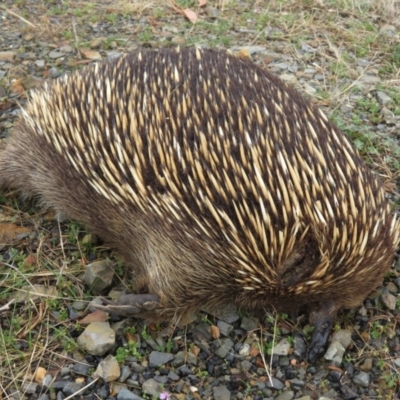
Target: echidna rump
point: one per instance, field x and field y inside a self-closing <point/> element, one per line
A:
<point x="216" y="183"/>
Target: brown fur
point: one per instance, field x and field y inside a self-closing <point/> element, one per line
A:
<point x="216" y="182"/>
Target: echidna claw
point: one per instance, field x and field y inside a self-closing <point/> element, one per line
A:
<point x="130" y="304"/>
<point x="319" y="340"/>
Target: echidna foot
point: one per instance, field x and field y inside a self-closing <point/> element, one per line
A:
<point x="322" y="329"/>
<point x="130" y="305"/>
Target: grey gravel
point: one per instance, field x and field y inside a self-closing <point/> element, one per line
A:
<point x="343" y="336"/>
<point x="249" y="323"/>
<point x="221" y="393"/>
<point x="362" y="379"/>
<point x="289" y="395"/>
<point x="224" y="328"/>
<point x="30" y="387"/>
<point x="158" y="358"/>
<point x="282" y="348"/>
<point x="389" y="300"/>
<point x="275" y="384"/>
<point x="125" y="394"/>
<point x="72" y="387"/>
<point x="223" y="346"/>
<point x="383" y="98"/>
<point x="125" y="373"/>
<point x="152" y="387"/>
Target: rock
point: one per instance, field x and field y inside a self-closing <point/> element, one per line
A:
<point x="99" y="275"/>
<point x="56" y="54"/>
<point x="361" y="379"/>
<point x="224" y="328"/>
<point x="366" y="366"/>
<point x="299" y="347"/>
<point x="221" y="393"/>
<point x="90" y="54"/>
<point x="289" y="395"/>
<point x="388" y="30"/>
<point x="97" y="338"/>
<point x="202" y="331"/>
<point x="383" y="98"/>
<point x="183" y="357"/>
<point x="157" y="358"/>
<point x="282" y="348"/>
<point x="289" y="78"/>
<point x="30" y="387"/>
<point x="173" y="376"/>
<point x="125" y="394"/>
<point x="244" y="350"/>
<point x="343" y="336"/>
<point x="274" y="383"/>
<point x="7" y="55"/>
<point x="152" y="387"/>
<point x="389" y="300"/>
<point x="228" y="313"/>
<point x="47" y="381"/>
<point x="335" y="352"/>
<point x="246" y="365"/>
<point x="213" y="12"/>
<point x="222" y="347"/>
<point x="81" y="368"/>
<point x="249" y="324"/>
<point x="125" y="373"/>
<point x="72" y="387"/>
<point x="108" y="369"/>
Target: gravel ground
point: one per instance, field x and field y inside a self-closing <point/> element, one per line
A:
<point x="224" y="354"/>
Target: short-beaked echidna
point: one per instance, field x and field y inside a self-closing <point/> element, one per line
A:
<point x="215" y="181"/>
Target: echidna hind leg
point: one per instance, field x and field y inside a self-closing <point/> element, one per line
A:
<point x="131" y="305"/>
<point x="321" y="332"/>
<point x="322" y="320"/>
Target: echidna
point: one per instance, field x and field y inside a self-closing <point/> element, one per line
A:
<point x="216" y="182"/>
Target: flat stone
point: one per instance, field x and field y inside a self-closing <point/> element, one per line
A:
<point x="343" y="336"/>
<point x="108" y="369"/>
<point x="249" y="323"/>
<point x="125" y="394"/>
<point x="97" y="338"/>
<point x="361" y="379"/>
<point x="158" y="358"/>
<point x="282" y="348"/>
<point x="389" y="300"/>
<point x="221" y="393"/>
<point x="7" y="55"/>
<point x="289" y="395"/>
<point x="223" y="346"/>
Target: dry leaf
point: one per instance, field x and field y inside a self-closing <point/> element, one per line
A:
<point x="202" y="3"/>
<point x="40" y="374"/>
<point x="17" y="87"/>
<point x="190" y="15"/>
<point x="95" y="316"/>
<point x="195" y="350"/>
<point x="30" y="259"/>
<point x="254" y="351"/>
<point x="91" y="54"/>
<point x="215" y="333"/>
<point x="11" y="233"/>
